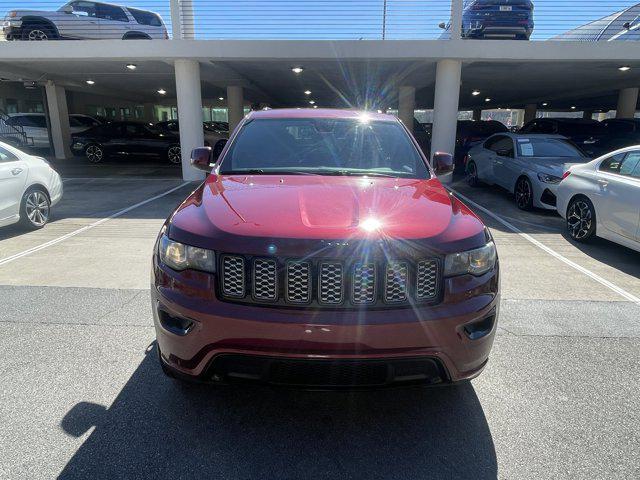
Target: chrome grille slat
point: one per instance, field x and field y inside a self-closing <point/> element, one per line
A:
<point x="330" y="283"/>
<point x="233" y="276"/>
<point x="298" y="287"/>
<point x="427" y="280"/>
<point x="363" y="283"/>
<point x="265" y="279"/>
<point x="396" y="282"/>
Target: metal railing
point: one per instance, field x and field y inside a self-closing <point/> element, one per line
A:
<point x="13" y="134"/>
<point x="578" y="20"/>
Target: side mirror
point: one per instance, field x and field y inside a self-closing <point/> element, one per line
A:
<point x="442" y="25"/>
<point x="626" y="25"/>
<point x="67" y="9"/>
<point x="503" y="153"/>
<point x="443" y="163"/>
<point x="201" y="158"/>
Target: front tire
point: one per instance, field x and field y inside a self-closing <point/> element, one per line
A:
<point x="472" y="174"/>
<point x="524" y="194"/>
<point x="35" y="208"/>
<point x="37" y="33"/>
<point x="94" y="153"/>
<point x="581" y="219"/>
<point x="174" y="155"/>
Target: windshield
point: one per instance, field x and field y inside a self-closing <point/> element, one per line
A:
<point x="547" y="147"/>
<point x="324" y="146"/>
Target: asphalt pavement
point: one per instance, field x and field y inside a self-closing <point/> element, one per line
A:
<point x="82" y="395"/>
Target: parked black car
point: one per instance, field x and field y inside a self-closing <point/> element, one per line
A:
<point x="497" y="19"/>
<point x="594" y="138"/>
<point x="470" y="133"/>
<point x="125" y="138"/>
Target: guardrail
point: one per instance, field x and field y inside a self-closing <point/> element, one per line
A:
<point x="578" y="20"/>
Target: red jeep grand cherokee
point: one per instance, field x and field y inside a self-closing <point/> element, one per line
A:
<point x="322" y="251"/>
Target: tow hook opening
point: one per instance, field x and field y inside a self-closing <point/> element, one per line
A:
<point x="481" y="328"/>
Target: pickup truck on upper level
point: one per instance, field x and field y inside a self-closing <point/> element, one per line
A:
<point x="80" y="19"/>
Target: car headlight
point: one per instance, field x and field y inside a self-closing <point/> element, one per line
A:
<point x="474" y="262"/>
<point x="179" y="256"/>
<point x="546" y="178"/>
<point x="77" y="145"/>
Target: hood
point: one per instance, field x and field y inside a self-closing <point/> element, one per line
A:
<point x="245" y="210"/>
<point x="556" y="165"/>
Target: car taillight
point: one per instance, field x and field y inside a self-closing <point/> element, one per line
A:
<point x="566" y="174"/>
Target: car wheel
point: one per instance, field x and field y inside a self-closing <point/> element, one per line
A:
<point x="37" y="33"/>
<point x="581" y="219"/>
<point x="35" y="208"/>
<point x="174" y="154"/>
<point x="94" y="153"/>
<point x="472" y="174"/>
<point x="524" y="194"/>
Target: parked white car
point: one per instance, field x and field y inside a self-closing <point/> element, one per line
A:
<point x="34" y="126"/>
<point x="602" y="198"/>
<point x="29" y="187"/>
<point x="529" y="166"/>
<point x="82" y="19"/>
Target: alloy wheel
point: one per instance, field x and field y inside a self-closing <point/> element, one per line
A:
<point x="37" y="208"/>
<point x="174" y="154"/>
<point x="523" y="194"/>
<point x="579" y="220"/>
<point x="94" y="153"/>
<point x="37" y="35"/>
<point x="472" y="174"/>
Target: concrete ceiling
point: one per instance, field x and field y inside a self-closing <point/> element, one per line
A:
<point x="344" y="83"/>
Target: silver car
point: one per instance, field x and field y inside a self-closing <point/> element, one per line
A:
<point x="82" y="19"/>
<point x="529" y="166"/>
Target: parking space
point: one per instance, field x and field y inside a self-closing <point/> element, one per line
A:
<point x="83" y="395"/>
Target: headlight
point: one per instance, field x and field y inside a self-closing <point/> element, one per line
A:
<point x="546" y="178"/>
<point x="474" y="262"/>
<point x="182" y="257"/>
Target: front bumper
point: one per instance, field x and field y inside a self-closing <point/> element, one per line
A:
<point x="195" y="330"/>
<point x="12" y="29"/>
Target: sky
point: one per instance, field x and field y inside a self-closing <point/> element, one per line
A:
<point x="346" y="19"/>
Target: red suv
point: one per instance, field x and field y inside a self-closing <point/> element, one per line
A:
<point x="322" y="251"/>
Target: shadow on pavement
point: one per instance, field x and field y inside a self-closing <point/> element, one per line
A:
<point x="609" y="253"/>
<point x="158" y="429"/>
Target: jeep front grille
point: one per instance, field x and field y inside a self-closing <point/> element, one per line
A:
<point x="328" y="283"/>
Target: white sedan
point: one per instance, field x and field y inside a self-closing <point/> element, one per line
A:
<point x="602" y="198"/>
<point x="29" y="187"/>
<point x="529" y="166"/>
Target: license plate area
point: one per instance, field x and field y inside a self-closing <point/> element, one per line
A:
<point x="506" y="8"/>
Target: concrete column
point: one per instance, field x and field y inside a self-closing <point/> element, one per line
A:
<point x="189" y="99"/>
<point x="456" y="19"/>
<point x="477" y="115"/>
<point x="587" y="114"/>
<point x="58" y="120"/>
<point x="445" y="107"/>
<point x="530" y="111"/>
<point x="235" y="106"/>
<point x="627" y="101"/>
<point x="149" y="112"/>
<point x="176" y="20"/>
<point x="188" y="20"/>
<point x="407" y="105"/>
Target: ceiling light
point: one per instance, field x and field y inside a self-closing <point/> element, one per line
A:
<point x="487" y="99"/>
<point x="132" y="66"/>
<point x="475" y="93"/>
<point x="297" y="70"/>
<point x="162" y="91"/>
<point x="220" y="98"/>
<point x="624" y="68"/>
<point x="312" y="102"/>
<point x="90" y="82"/>
<point x="307" y="92"/>
<point x="315" y="106"/>
<point x="573" y="108"/>
<point x="544" y="104"/>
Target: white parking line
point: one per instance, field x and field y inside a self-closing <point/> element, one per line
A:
<point x="553" y="253"/>
<point x="55" y="241"/>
